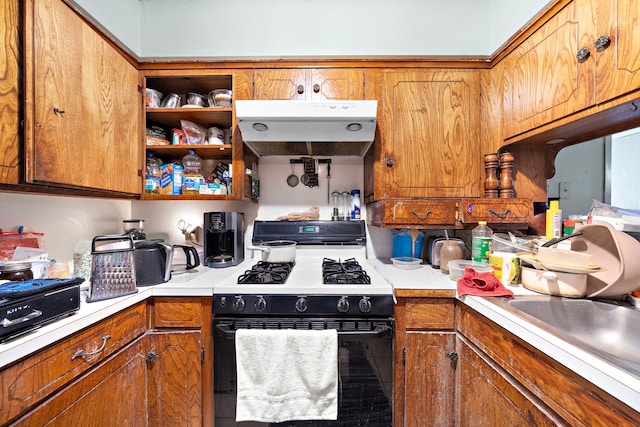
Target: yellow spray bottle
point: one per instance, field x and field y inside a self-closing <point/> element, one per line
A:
<point x="554" y="220"/>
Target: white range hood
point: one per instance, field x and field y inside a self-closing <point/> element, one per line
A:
<point x="322" y="128"/>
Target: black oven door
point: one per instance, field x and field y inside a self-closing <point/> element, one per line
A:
<point x="365" y="372"/>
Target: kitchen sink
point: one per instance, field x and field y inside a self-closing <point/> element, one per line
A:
<point x="607" y="329"/>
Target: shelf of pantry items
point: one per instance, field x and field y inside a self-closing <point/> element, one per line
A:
<point x="170" y="117"/>
<point x="206" y="151"/>
<point x="146" y="196"/>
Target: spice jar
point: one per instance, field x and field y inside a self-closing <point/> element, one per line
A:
<point x="16" y="271"/>
<point x="450" y="250"/>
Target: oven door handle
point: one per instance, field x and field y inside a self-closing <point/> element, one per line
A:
<point x="378" y="332"/>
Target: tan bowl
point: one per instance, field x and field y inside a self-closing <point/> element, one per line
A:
<point x="554" y="282"/>
<point x="614" y="250"/>
<point x="564" y="257"/>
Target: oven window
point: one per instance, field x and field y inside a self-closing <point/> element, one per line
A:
<point x="365" y="384"/>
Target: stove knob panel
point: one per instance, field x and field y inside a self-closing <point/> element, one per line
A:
<point x="364" y="305"/>
<point x="302" y="305"/>
<point x="260" y="304"/>
<point x="343" y="305"/>
<point x="238" y="304"/>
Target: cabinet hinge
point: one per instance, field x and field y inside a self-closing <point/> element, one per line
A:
<point x="202" y="355"/>
<point x="404" y="356"/>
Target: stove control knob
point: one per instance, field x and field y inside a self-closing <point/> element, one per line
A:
<point x="302" y="305"/>
<point x="260" y="304"/>
<point x="364" y="305"/>
<point x="343" y="305"/>
<point x="238" y="304"/>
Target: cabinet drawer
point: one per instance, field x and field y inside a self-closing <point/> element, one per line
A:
<point x="420" y="212"/>
<point x="177" y="313"/>
<point x="497" y="210"/>
<point x="31" y="380"/>
<point x="429" y="313"/>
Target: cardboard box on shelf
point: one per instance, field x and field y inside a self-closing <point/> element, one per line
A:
<point x="171" y="179"/>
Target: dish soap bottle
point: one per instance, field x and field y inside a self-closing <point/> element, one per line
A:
<point x="554" y="221"/>
<point x="481" y="243"/>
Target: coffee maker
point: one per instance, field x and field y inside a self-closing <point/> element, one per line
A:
<point x="223" y="239"/>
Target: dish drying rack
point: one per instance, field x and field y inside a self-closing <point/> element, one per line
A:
<point x="112" y="267"/>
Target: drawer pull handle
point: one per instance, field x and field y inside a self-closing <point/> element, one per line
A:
<point x="6" y="322"/>
<point x="422" y="215"/>
<point x="82" y="353"/>
<point x="502" y="214"/>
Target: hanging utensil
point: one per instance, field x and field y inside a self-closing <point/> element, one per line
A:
<point x="292" y="179"/>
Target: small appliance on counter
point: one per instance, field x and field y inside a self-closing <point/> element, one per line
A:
<point x="223" y="239"/>
<point x="134" y="228"/>
<point x="27" y="305"/>
<point x="154" y="261"/>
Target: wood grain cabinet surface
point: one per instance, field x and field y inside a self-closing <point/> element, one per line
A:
<point x="34" y="379"/>
<point x="496" y="211"/>
<point x="527" y="385"/>
<point x="10" y="99"/>
<point x="545" y="79"/>
<point x="309" y="84"/>
<point x="424" y="362"/>
<point x="84" y="105"/>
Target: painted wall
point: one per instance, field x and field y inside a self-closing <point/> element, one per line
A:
<point x="625" y="158"/>
<point x="63" y="220"/>
<point x="277" y="28"/>
<point x="584" y="183"/>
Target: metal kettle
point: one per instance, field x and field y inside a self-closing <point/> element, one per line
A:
<point x="153" y="259"/>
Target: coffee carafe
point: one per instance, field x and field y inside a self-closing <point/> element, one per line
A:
<point x="223" y="239"/>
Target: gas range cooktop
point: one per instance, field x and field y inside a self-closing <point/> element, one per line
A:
<point x="330" y="275"/>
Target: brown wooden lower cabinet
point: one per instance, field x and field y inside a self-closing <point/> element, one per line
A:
<point x="454" y="367"/>
<point x="154" y="368"/>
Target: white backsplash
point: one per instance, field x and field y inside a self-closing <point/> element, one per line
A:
<point x="66" y="220"/>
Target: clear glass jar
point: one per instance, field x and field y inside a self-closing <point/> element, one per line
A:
<point x="16" y="271"/>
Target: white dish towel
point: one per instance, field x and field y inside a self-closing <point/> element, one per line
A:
<point x="286" y="374"/>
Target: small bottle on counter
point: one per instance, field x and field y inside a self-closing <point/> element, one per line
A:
<point x="481" y="237"/>
<point x="554" y="221"/>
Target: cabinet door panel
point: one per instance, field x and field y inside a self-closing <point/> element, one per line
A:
<point x="112" y="395"/>
<point x="429" y="379"/>
<point x="279" y="84"/>
<point x="486" y="397"/>
<point x="87" y="106"/>
<point x="430" y="134"/>
<point x="543" y="79"/>
<point x="174" y="379"/>
<point x="336" y="84"/>
<point x="10" y="93"/>
<point x="618" y="65"/>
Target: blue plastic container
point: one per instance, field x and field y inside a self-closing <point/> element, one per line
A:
<point x="402" y="244"/>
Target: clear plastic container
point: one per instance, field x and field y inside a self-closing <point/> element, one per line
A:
<point x="152" y="180"/>
<point x="82" y="260"/>
<point x="192" y="173"/>
<point x="481" y="237"/>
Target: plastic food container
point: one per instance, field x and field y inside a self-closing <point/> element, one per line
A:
<point x="406" y="263"/>
<point x="196" y="99"/>
<point x="171" y="101"/>
<point x="220" y="98"/>
<point x="153" y="98"/>
<point x="501" y="242"/>
<point x="457" y="266"/>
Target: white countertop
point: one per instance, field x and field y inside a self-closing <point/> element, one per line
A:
<point x="619" y="384"/>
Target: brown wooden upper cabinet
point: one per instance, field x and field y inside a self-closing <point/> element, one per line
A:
<point x="581" y="57"/>
<point x="308" y="84"/>
<point x="84" y="105"/>
<point x="429" y="130"/>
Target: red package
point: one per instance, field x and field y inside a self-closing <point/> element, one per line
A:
<point x="10" y="240"/>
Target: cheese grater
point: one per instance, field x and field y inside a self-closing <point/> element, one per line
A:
<point x="112" y="267"/>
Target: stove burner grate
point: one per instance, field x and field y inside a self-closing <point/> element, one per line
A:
<point x="266" y="273"/>
<point x="347" y="272"/>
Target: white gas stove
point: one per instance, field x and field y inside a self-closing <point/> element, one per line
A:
<point x="330" y="276"/>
